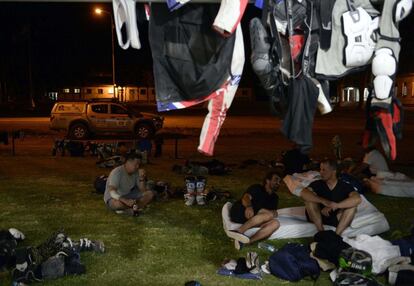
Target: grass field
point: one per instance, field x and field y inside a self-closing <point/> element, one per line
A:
<point x="168" y="245"/>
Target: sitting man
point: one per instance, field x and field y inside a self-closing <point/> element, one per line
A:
<point x="256" y="208"/>
<point x="126" y="187"/>
<point x="329" y="200"/>
<point x="372" y="163"/>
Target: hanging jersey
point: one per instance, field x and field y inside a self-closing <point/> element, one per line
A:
<point x="176" y="4"/>
<point x="190" y="60"/>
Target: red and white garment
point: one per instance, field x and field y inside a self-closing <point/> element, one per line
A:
<point x="229" y="16"/>
<point x="220" y="103"/>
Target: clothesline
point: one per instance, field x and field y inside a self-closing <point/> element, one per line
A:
<point x="109" y="1"/>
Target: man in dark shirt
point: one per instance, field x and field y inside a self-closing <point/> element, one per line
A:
<point x="256" y="208"/>
<point x="330" y="201"/>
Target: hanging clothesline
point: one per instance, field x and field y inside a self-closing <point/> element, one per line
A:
<point x="109" y="1"/>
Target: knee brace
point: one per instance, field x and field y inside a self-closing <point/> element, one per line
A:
<point x="384" y="68"/>
<point x="360" y="32"/>
<point x="401" y="10"/>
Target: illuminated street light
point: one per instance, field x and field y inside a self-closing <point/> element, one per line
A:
<point x="100" y="11"/>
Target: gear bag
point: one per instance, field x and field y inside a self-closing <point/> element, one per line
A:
<point x="293" y="262"/>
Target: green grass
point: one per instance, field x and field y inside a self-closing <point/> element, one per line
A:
<point x="168" y="245"/>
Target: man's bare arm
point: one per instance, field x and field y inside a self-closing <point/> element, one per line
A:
<point x="309" y="196"/>
<point x="114" y="194"/>
<point x="353" y="200"/>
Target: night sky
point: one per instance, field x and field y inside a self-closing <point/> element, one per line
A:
<point x="67" y="44"/>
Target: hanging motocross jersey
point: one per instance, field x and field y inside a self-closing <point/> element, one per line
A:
<point x="332" y="63"/>
<point x="191" y="61"/>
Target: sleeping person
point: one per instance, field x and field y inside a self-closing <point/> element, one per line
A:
<point x="256" y="208"/>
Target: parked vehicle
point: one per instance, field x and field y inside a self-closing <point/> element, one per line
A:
<point x="81" y="119"/>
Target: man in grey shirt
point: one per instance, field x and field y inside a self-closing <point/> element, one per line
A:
<point x="126" y="187"/>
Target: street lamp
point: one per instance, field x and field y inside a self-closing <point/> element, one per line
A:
<point x="99" y="11"/>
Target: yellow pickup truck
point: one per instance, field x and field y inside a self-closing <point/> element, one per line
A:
<point x="84" y="118"/>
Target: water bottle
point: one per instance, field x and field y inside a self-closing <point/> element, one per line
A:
<point x="266" y="246"/>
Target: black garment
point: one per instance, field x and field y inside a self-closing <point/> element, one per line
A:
<point x="190" y="59"/>
<point x="337" y="194"/>
<point x="8" y="246"/>
<point x="298" y="122"/>
<point x="329" y="245"/>
<point x="405" y="278"/>
<point x="353" y="181"/>
<point x="260" y="200"/>
<point x="294" y="161"/>
<point x="326" y="7"/>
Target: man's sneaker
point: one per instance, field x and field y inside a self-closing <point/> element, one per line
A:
<point x="201" y="199"/>
<point x="85" y="244"/>
<point x="189" y="199"/>
<point x="252" y="262"/>
<point x="238" y="236"/>
<point x="238" y="244"/>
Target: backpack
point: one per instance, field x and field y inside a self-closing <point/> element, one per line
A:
<point x="293" y="262"/>
<point x="100" y="184"/>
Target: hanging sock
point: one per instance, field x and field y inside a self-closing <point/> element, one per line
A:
<point x="125" y="15"/>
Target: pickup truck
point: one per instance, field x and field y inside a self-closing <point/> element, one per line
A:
<point x="83" y="118"/>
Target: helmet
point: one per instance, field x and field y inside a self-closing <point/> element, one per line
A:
<point x="354" y="279"/>
<point x="355" y="260"/>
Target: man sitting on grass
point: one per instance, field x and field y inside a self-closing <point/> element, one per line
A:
<point x="256" y="208"/>
<point x="330" y="201"/>
<point x="126" y="187"/>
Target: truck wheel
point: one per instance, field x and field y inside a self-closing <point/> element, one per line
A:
<point x="78" y="131"/>
<point x="143" y="131"/>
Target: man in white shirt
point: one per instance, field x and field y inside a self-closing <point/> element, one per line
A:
<point x="375" y="161"/>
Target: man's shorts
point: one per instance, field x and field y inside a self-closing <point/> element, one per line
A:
<point x="133" y="195"/>
<point x="331" y="220"/>
<point x="237" y="213"/>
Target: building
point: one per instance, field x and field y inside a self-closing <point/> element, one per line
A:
<point x="404" y="88"/>
<point x="122" y="93"/>
<point x="144" y="95"/>
<point x="353" y="90"/>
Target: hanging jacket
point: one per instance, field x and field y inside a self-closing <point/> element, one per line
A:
<point x="191" y="61"/>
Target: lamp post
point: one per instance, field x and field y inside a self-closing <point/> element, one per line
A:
<point x="100" y="11"/>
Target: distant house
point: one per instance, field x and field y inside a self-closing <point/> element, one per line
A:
<point x="404" y="88"/>
<point x="123" y="93"/>
<point x="353" y="90"/>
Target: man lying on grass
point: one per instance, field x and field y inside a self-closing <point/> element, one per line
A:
<point x="126" y="187"/>
<point x="330" y="201"/>
<point x="256" y="208"/>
